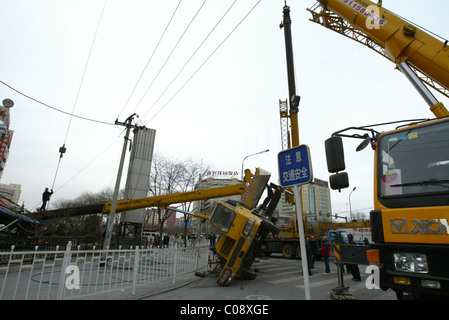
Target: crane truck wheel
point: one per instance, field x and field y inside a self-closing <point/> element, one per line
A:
<point x="247" y="274"/>
<point x="288" y="251"/>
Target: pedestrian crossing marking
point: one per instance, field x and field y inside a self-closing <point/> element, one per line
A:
<point x="283" y="280"/>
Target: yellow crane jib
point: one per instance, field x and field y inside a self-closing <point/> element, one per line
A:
<point x="422" y="57"/>
<point x="166" y="200"/>
<point x="156" y="201"/>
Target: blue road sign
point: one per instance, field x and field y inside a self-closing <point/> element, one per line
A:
<point x="295" y="166"/>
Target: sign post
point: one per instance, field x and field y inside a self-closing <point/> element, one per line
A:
<point x="295" y="169"/>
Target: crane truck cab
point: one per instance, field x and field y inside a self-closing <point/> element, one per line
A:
<point x="243" y="227"/>
<point x="409" y="223"/>
<point x="242" y="233"/>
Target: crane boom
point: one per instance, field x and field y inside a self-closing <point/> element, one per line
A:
<point x="397" y="39"/>
<point x="293" y="99"/>
<point x="161" y="201"/>
<point x="408" y="158"/>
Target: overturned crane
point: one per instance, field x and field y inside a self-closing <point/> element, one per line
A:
<point x="243" y="225"/>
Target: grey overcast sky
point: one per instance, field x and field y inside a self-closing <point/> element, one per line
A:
<point x="210" y="93"/>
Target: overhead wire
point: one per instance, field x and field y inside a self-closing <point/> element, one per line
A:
<point x="85" y="69"/>
<point x="53" y="108"/>
<point x="88" y="164"/>
<point x="73" y="115"/>
<point x="207" y="59"/>
<point x="63" y="149"/>
<point x="92" y="161"/>
<point x="151" y="57"/>
<point x="191" y="57"/>
<point x="171" y="53"/>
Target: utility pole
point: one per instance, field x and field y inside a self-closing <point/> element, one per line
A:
<point x="112" y="213"/>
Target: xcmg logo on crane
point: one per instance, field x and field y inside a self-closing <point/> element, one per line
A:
<point x="425" y="226"/>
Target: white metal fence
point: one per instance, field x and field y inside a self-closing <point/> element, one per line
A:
<point x="68" y="274"/>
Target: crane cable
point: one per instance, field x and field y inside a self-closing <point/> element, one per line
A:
<point x="63" y="149"/>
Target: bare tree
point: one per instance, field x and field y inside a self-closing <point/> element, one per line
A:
<point x="358" y="216"/>
<point x="84" y="225"/>
<point x="170" y="176"/>
<point x="194" y="171"/>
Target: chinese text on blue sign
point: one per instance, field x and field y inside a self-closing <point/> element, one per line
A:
<point x="295" y="166"/>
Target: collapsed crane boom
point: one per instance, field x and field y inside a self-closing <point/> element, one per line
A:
<point x="156" y="201"/>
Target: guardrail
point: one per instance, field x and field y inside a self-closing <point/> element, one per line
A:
<point x="68" y="274"/>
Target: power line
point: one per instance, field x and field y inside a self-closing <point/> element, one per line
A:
<point x="53" y="108"/>
<point x="87" y="165"/>
<point x="62" y="149"/>
<point x="207" y="59"/>
<point x="171" y="53"/>
<point x="151" y="57"/>
<point x="85" y="69"/>
<point x="92" y="161"/>
<point x="191" y="57"/>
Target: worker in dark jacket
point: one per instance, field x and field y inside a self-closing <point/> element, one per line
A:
<point x="45" y="198"/>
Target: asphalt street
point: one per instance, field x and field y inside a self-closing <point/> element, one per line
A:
<point x="277" y="279"/>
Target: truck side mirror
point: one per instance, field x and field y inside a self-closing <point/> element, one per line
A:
<point x="339" y="181"/>
<point x="335" y="156"/>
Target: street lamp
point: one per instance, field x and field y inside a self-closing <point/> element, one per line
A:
<point x="251" y="156"/>
<point x="350" y="211"/>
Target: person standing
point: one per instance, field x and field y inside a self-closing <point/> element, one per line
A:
<point x="213" y="238"/>
<point x="45" y="198"/>
<point x="325" y="253"/>
<point x="309" y="256"/>
<point x="314" y="249"/>
<point x="166" y="241"/>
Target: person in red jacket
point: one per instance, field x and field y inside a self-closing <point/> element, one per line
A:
<point x="325" y="253"/>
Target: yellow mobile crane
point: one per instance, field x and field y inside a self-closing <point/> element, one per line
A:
<point x="243" y="225"/>
<point x="409" y="222"/>
<point x="421" y="57"/>
<point x="287" y="240"/>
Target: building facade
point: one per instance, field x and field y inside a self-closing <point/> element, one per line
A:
<point x="5" y="133"/>
<point x="11" y="191"/>
<point x="315" y="200"/>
